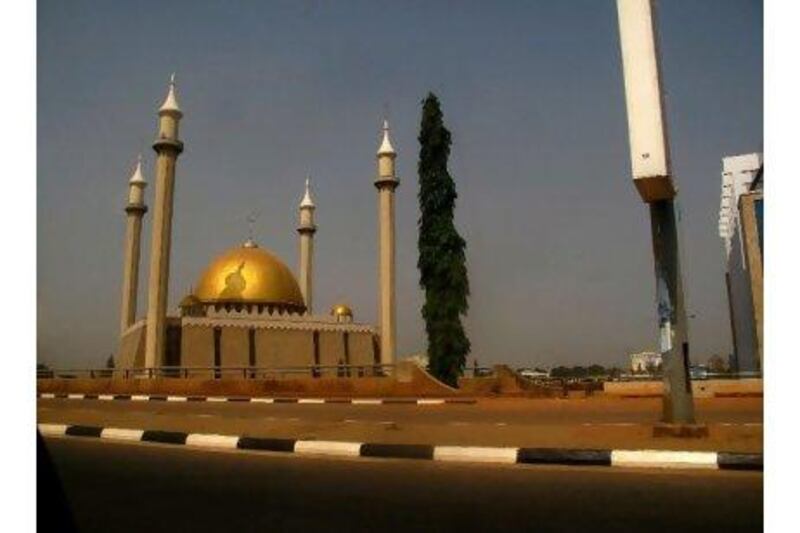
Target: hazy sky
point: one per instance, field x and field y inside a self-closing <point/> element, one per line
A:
<point x="559" y="251"/>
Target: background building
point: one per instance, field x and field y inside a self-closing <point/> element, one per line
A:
<point x="741" y="229"/>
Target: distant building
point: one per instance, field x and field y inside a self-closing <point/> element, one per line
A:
<point x="741" y="223"/>
<point x="644" y="362"/>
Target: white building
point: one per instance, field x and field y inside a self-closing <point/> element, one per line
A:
<point x="644" y="362"/>
<point x="738" y="172"/>
<point x="740" y="223"/>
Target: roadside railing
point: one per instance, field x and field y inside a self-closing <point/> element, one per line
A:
<point x="220" y="372"/>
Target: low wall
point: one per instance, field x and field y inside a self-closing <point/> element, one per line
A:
<point x="506" y="382"/>
<point x="410" y="381"/>
<point x="710" y="388"/>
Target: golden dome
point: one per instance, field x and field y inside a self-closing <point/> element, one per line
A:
<point x="341" y="310"/>
<point x="248" y="274"/>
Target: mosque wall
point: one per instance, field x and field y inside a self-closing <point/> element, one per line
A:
<point x="331" y="350"/>
<point x="234" y="347"/>
<point x="361" y="348"/>
<point x="197" y="348"/>
<point x="282" y="348"/>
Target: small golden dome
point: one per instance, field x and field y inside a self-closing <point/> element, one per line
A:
<point x="251" y="275"/>
<point x="189" y="300"/>
<point x="341" y="310"/>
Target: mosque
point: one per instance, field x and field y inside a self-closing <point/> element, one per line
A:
<point x="247" y="309"/>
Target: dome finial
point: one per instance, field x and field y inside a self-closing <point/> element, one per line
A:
<point x="386" y="147"/>
<point x="307" y="201"/>
<point x="171" y="102"/>
<point x="137" y="176"/>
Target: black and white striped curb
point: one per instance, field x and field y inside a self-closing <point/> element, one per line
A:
<point x="246" y="399"/>
<point x="471" y="454"/>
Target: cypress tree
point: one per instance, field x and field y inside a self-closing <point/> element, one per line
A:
<point x="442" y="262"/>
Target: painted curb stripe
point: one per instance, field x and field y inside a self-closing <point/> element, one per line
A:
<point x="663" y="459"/>
<point x="740" y="461"/>
<point x="177" y="398"/>
<point x="52" y="429"/>
<point x="398" y="451"/>
<point x="212" y="441"/>
<point x="122" y="434"/>
<point x="83" y="431"/>
<point x="271" y="445"/>
<point x="556" y="456"/>
<point x="163" y="397"/>
<point x="327" y="447"/>
<point x="475" y="454"/>
<point x="165" y="437"/>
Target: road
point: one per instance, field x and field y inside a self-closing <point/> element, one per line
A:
<point x="148" y="487"/>
<point x="735" y="424"/>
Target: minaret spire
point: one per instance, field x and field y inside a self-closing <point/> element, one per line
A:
<point x="168" y="147"/>
<point x="386" y="183"/>
<point x="307" y="229"/>
<point x="135" y="210"/>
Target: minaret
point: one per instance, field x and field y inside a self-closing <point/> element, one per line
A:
<point x="386" y="182"/>
<point x="306" y="229"/>
<point x="167" y="147"/>
<point x="133" y="237"/>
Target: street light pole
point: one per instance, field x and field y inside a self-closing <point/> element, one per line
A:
<point x="652" y="176"/>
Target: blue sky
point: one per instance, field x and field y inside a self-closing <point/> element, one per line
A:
<point x="559" y="251"/>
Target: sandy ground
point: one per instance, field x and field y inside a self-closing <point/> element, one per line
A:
<point x="735" y="424"/>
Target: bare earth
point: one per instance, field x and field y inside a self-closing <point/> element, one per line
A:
<point x="735" y="424"/>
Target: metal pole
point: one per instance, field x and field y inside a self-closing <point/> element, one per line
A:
<point x="678" y="404"/>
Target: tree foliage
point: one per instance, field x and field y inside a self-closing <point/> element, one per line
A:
<point x="442" y="261"/>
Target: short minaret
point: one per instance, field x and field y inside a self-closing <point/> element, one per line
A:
<point x="135" y="211"/>
<point x="167" y="147"/>
<point x="306" y="229"/>
<point x="386" y="182"/>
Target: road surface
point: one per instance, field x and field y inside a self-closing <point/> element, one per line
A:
<point x="149" y="487"/>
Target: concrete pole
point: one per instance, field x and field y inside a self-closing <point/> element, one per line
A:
<point x="386" y="183"/>
<point x="135" y="210"/>
<point x="677" y="404"/>
<point x="167" y="147"/>
<point x="307" y="229"/>
<point x="652" y="172"/>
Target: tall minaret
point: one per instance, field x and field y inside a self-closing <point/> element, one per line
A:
<point x="167" y="147"/>
<point x="386" y="182"/>
<point x="306" y="229"/>
<point x="133" y="237"/>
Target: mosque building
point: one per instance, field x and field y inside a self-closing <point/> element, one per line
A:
<point x="247" y="309"/>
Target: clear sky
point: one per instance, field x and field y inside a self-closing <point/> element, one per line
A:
<point x="559" y="251"/>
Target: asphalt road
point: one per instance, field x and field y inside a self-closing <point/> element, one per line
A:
<point x="146" y="487"/>
<point x="735" y="424"/>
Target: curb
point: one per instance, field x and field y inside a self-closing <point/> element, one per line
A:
<point x="468" y="454"/>
<point x="245" y="399"/>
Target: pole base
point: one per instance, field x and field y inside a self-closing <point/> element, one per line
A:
<point x="683" y="431"/>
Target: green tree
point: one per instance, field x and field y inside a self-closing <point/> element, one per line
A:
<point x="442" y="262"/>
